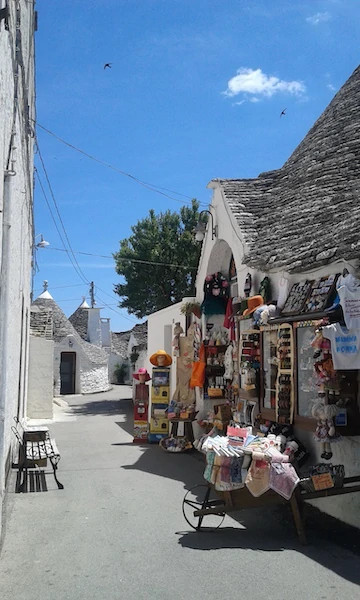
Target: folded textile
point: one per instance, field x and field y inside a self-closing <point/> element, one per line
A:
<point x="210" y="457"/>
<point x="283" y="479"/>
<point x="258" y="476"/>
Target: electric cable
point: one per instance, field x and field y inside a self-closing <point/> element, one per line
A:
<point x="56" y="226"/>
<point x="82" y="275"/>
<point x="126" y="259"/>
<point x="152" y="187"/>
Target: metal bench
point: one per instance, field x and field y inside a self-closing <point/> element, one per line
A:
<point x="35" y="447"/>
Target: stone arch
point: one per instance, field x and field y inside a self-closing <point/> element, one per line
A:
<point x="219" y="259"/>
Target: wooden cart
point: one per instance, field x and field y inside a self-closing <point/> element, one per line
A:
<point x="204" y="508"/>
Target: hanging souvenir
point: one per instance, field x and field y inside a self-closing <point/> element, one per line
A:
<point x="216" y="291"/>
<point x="265" y="289"/>
<point x="247" y="285"/>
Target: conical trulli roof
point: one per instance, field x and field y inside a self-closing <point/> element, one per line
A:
<point x="307" y="213"/>
<point x="62" y="328"/>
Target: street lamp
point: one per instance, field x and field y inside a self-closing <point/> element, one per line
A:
<point x="200" y="228"/>
<point x="43" y="243"/>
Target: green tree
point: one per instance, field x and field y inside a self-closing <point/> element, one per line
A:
<point x="164" y="238"/>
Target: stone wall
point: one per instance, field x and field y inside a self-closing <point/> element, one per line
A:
<point x="41" y="379"/>
<point x="16" y="217"/>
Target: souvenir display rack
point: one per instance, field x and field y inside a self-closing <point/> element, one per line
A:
<point x="297" y="298"/>
<point x="285" y="379"/>
<point x="249" y="359"/>
<point x="215" y="383"/>
<point x="320" y="293"/>
<point x="160" y="392"/>
<point x="269" y="366"/>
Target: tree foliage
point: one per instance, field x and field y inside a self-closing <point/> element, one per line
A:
<point x="164" y="238"/>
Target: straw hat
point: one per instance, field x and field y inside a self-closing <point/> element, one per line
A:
<point x="154" y="357"/>
<point x="142" y="371"/>
<point x="253" y="303"/>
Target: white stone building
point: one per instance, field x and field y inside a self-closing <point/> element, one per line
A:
<point x="125" y="347"/>
<point x="297" y="223"/>
<point x="17" y="102"/>
<point x="80" y="366"/>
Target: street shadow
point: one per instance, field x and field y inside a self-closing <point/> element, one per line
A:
<point x="331" y="543"/>
<point x="103" y="407"/>
<point x="274" y="538"/>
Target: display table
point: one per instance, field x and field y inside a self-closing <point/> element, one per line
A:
<point x="208" y="501"/>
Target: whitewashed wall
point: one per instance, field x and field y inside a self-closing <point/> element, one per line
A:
<point x="16" y="218"/>
<point x="158" y="338"/>
<point x="41" y="379"/>
<point x="94" y="327"/>
<point x="105" y="333"/>
<point x="114" y="360"/>
<point x="90" y="377"/>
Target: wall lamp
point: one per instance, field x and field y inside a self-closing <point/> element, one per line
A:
<point x="43" y="243"/>
<point x="200" y="228"/>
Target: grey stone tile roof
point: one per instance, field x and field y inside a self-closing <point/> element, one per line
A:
<point x="62" y="328"/>
<point x="307" y="213"/>
<point x="41" y="324"/>
<point x="120" y="341"/>
<point x="79" y="320"/>
<point x="140" y="334"/>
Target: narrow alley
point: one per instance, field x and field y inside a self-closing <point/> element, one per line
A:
<point x="117" y="532"/>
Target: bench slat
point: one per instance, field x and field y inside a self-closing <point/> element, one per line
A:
<point x="39" y="450"/>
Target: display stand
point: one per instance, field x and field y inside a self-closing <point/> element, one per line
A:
<point x="141" y="406"/>
<point x="285" y="375"/>
<point x="188" y="428"/>
<point x="160" y="396"/>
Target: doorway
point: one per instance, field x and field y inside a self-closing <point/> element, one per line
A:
<point x="67" y="372"/>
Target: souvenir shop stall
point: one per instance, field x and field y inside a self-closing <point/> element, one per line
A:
<point x="278" y="372"/>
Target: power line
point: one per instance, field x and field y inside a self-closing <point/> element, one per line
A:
<point x="77" y="268"/>
<point x="112" y="309"/>
<point x="74" y="263"/>
<point x="55" y="223"/>
<point x="61" y="287"/>
<point x="152" y="187"/>
<point x="135" y="260"/>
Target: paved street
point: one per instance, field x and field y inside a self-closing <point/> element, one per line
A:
<point x="117" y="532"/>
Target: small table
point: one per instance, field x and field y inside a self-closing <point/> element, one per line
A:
<point x="188" y="429"/>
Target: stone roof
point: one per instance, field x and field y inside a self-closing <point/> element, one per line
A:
<point x="120" y="341"/>
<point x="79" y="320"/>
<point x="307" y="213"/>
<point x="62" y="328"/>
<point x="41" y="324"/>
<point x="140" y="333"/>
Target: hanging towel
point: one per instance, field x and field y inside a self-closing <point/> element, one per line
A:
<point x="258" y="476"/>
<point x="283" y="479"/>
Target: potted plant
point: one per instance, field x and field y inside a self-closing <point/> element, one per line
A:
<point x="133" y="357"/>
<point x="119" y="372"/>
<point x="191" y="308"/>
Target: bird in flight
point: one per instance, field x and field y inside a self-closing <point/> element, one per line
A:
<point x="107" y="65"/>
<point x="282" y="114"/>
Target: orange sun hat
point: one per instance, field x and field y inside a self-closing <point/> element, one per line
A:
<point x="253" y="303"/>
<point x="167" y="362"/>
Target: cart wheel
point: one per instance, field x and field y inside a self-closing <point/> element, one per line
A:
<point x="201" y="497"/>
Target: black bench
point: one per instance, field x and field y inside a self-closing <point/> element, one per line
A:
<point x="35" y="447"/>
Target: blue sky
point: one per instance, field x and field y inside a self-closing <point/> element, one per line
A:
<point x="195" y="92"/>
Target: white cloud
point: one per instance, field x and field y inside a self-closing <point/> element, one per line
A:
<point x="331" y="87"/>
<point x="255" y="84"/>
<point x="320" y="17"/>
